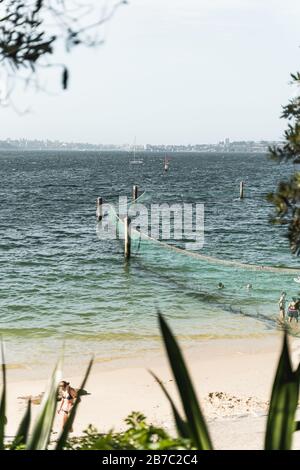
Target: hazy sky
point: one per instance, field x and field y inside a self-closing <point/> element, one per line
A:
<point x="174" y="71"/>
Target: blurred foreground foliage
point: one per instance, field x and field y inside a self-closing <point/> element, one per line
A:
<point x="34" y="32"/>
<point x="287" y="196"/>
<point x="139" y="435"/>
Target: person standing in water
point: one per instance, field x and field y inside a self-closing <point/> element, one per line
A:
<point x="67" y="401"/>
<point x="282" y="304"/>
<point x="293" y="310"/>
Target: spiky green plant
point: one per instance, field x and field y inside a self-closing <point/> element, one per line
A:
<point x="281" y="423"/>
<point x="38" y="437"/>
<point x="193" y="425"/>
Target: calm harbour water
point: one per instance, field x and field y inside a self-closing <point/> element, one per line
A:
<point x="60" y="282"/>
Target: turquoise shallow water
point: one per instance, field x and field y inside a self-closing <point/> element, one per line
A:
<point x="60" y="282"/>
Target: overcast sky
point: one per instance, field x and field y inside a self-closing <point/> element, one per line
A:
<point x="174" y="71"/>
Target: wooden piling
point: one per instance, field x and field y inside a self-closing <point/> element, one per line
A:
<point x="99" y="213"/>
<point x="242" y="190"/>
<point x="127" y="237"/>
<point x="134" y="193"/>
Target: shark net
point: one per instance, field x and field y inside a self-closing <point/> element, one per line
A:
<point x="245" y="289"/>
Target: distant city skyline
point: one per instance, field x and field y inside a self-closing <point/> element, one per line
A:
<point x="172" y="71"/>
<point x="225" y="145"/>
<point x="226" y="140"/>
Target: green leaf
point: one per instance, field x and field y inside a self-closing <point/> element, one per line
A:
<point x="22" y="434"/>
<point x="196" y="423"/>
<point x="65" y="432"/>
<point x="3" y="400"/>
<point x="40" y="436"/>
<point x="182" y="426"/>
<point x="284" y="400"/>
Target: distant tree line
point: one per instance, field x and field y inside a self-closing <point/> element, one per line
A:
<point x="287" y="196"/>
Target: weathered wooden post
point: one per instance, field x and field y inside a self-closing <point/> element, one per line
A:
<point x="127" y="237"/>
<point x="134" y="193"/>
<point x="242" y="190"/>
<point x="99" y="213"/>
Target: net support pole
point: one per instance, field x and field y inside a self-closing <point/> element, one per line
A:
<point x="127" y="237"/>
<point x="134" y="193"/>
<point x="242" y="190"/>
<point x="99" y="213"/>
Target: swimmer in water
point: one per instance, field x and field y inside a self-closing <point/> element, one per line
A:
<point x="221" y="285"/>
<point x="249" y="286"/>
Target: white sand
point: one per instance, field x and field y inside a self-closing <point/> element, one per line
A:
<point x="233" y="379"/>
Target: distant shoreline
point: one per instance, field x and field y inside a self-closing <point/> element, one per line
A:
<point x="227" y="146"/>
<point x="160" y="152"/>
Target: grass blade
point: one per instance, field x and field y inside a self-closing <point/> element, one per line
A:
<point x="196" y="423"/>
<point x="23" y="431"/>
<point x="182" y="426"/>
<point x="65" y="432"/>
<point x="40" y="435"/>
<point x="284" y="399"/>
<point x="3" y="399"/>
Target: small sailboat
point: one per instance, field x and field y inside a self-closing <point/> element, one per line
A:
<point x="135" y="161"/>
<point x="166" y="163"/>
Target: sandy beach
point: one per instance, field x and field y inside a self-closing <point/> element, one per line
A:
<point x="233" y="379"/>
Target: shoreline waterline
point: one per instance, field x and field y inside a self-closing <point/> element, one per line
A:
<point x="139" y="357"/>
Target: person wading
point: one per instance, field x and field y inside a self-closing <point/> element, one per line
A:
<point x="282" y="303"/>
<point x="293" y="310"/>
